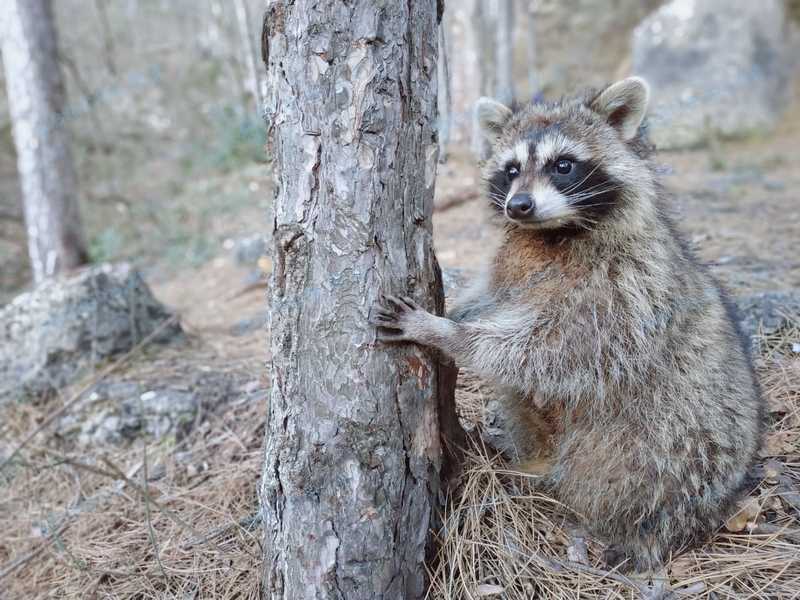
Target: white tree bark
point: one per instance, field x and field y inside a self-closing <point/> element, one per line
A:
<point x="463" y="65"/>
<point x="247" y="32"/>
<point x="36" y="101"/>
<point x="353" y="454"/>
<point x="484" y="22"/>
<point x="529" y="31"/>
<point x="505" y="51"/>
<point x="445" y="100"/>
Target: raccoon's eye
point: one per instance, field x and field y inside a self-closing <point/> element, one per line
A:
<point x="512" y="171"/>
<point x="563" y="166"/>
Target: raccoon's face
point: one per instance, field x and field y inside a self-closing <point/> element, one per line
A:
<point x="564" y="166"/>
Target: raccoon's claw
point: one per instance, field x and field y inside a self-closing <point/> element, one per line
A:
<point x="401" y="303"/>
<point x="384" y="318"/>
<point x="392" y="336"/>
<point x="394" y="318"/>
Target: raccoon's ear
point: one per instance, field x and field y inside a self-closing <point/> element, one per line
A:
<point x="624" y="105"/>
<point x="492" y="117"/>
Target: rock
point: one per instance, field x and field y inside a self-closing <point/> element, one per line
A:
<point x="717" y="67"/>
<point x="50" y="335"/>
<point x="771" y="311"/>
<point x="165" y="411"/>
<point x="167" y="403"/>
<point x="116" y="413"/>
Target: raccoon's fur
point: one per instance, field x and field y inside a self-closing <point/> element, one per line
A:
<point x="627" y="384"/>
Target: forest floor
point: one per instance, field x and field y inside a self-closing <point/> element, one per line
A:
<point x="82" y="524"/>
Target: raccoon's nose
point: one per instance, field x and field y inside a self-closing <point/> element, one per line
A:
<point x="520" y="206"/>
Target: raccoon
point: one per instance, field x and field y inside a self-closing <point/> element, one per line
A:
<point x="627" y="384"/>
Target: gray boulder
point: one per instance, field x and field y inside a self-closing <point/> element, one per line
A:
<point x="50" y="335"/>
<point x="120" y="412"/>
<point x="717" y="67"/>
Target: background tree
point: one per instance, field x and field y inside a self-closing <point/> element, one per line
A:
<point x="445" y="97"/>
<point x="36" y="102"/>
<point x="529" y="43"/>
<point x="504" y="90"/>
<point x="249" y="51"/>
<point x="353" y="450"/>
<point x="484" y="22"/>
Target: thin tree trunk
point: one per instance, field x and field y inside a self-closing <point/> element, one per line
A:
<point x="530" y="50"/>
<point x="249" y="51"/>
<point x="463" y="64"/>
<point x="505" y="51"/>
<point x="484" y="22"/>
<point x="36" y="102"/>
<point x="445" y="102"/>
<point x="354" y="457"/>
<point x="109" y="51"/>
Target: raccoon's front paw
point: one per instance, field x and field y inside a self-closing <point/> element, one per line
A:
<point x="401" y="319"/>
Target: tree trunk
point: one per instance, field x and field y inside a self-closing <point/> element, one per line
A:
<point x="249" y="51"/>
<point x="529" y="32"/>
<point x="36" y="102"/>
<point x="505" y="51"/>
<point x="444" y="102"/>
<point x="484" y="22"/>
<point x="354" y="456"/>
<point x="462" y="62"/>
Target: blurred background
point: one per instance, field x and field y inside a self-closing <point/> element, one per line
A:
<point x="168" y="142"/>
<point x="168" y="179"/>
<point x="166" y="136"/>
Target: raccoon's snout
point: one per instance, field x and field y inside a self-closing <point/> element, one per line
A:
<point x="520" y="207"/>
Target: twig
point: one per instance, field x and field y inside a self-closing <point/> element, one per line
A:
<point x="691" y="590"/>
<point x="248" y="523"/>
<point x="118" y="474"/>
<point x="108" y="36"/>
<point x="26" y="558"/>
<point x="115" y="472"/>
<point x="150" y="531"/>
<point x="788" y="493"/>
<point x="79" y="394"/>
<point x="775" y="530"/>
<point x="455" y="199"/>
<point x="613" y="575"/>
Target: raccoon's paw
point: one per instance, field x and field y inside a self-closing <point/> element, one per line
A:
<point x="401" y="319"/>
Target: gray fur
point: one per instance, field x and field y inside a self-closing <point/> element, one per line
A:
<point x="612" y="349"/>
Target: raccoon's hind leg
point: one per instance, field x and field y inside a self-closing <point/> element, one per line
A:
<point x="531" y="434"/>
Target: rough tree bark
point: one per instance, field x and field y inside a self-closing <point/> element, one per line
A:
<point x="353" y="454"/>
<point x="36" y="102"/>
